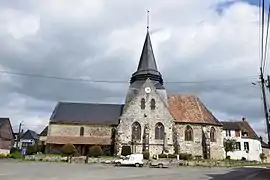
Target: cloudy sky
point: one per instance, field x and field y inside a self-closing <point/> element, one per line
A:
<point x="211" y="44"/>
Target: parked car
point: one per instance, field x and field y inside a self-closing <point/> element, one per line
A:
<point x="160" y="163"/>
<point x="130" y="160"/>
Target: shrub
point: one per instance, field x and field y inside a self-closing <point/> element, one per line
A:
<point x="41" y="148"/>
<point x="68" y="150"/>
<point x="3" y="156"/>
<point x="126" y="150"/>
<point x="30" y="150"/>
<point x="95" y="151"/>
<point x="146" y="155"/>
<point x="185" y="156"/>
<point x="16" y="155"/>
<point x="14" y="150"/>
<point x="263" y="157"/>
<point x="228" y="157"/>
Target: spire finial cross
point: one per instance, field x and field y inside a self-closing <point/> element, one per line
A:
<point x="148" y="19"/>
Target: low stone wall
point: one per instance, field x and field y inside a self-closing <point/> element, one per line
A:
<point x="173" y="162"/>
<point x="45" y="158"/>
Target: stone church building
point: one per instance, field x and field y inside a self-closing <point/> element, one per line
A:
<point x="151" y="120"/>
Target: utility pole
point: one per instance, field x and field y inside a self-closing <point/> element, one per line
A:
<point x="265" y="104"/>
<point x="18" y="136"/>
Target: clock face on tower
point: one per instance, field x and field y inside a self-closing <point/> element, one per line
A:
<point x="147" y="89"/>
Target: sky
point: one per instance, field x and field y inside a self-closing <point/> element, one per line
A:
<point x="209" y="48"/>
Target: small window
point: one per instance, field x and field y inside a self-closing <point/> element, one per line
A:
<point x="153" y="104"/>
<point x="228" y="133"/>
<point x="246" y="146"/>
<point x="188" y="134"/>
<point x="81" y="131"/>
<point x="142" y="103"/>
<point x="159" y="131"/>
<point x="238" y="146"/>
<point x="136" y="131"/>
<point x="245" y="134"/>
<point x="213" y="135"/>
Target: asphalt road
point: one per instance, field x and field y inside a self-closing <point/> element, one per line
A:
<point x="61" y="171"/>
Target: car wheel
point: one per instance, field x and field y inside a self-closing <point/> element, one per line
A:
<point x="160" y="165"/>
<point x="137" y="165"/>
<point x="118" y="164"/>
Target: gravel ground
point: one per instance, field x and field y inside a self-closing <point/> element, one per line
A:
<point x="12" y="170"/>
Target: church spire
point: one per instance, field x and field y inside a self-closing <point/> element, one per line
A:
<point x="147" y="67"/>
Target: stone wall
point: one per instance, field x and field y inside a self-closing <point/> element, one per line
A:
<point x="195" y="147"/>
<point x="133" y="113"/>
<point x="74" y="130"/>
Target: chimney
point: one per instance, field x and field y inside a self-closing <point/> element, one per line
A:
<point x="261" y="139"/>
<point x="243" y="119"/>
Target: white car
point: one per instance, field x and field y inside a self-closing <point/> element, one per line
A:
<point x="130" y="160"/>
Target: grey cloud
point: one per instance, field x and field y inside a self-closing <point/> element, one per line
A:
<point x="77" y="48"/>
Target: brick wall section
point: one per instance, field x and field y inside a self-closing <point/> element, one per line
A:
<point x="195" y="147"/>
<point x="133" y="112"/>
<point x="74" y="130"/>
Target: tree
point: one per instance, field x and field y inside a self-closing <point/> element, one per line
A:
<point x="68" y="150"/>
<point x="263" y="157"/>
<point x="229" y="145"/>
<point x="95" y="151"/>
<point x="30" y="150"/>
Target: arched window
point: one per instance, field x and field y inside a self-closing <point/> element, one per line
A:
<point x="213" y="135"/>
<point x="159" y="131"/>
<point x="142" y="103"/>
<point x="136" y="131"/>
<point x="153" y="104"/>
<point x="81" y="131"/>
<point x="188" y="134"/>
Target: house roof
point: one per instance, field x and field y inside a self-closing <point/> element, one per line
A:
<point x="4" y="121"/>
<point x="86" y="113"/>
<point x="189" y="109"/>
<point x="29" y="134"/>
<point x="228" y="125"/>
<point x="265" y="145"/>
<point x="243" y="125"/>
<point x="3" y="132"/>
<point x="79" y="140"/>
<point x="44" y="132"/>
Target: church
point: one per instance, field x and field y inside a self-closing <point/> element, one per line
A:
<point x="151" y="119"/>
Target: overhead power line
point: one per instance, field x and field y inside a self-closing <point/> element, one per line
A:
<point x="120" y="81"/>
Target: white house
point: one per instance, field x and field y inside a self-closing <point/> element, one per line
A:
<point x="248" y="144"/>
<point x="28" y="138"/>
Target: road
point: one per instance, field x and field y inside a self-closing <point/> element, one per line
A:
<point x="61" y="171"/>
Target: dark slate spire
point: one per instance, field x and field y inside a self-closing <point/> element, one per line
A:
<point x="147" y="67"/>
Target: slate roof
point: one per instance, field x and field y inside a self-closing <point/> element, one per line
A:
<point x="29" y="134"/>
<point x="4" y="121"/>
<point x="243" y="125"/>
<point x="4" y="133"/>
<point x="86" y="113"/>
<point x="189" y="109"/>
<point x="44" y="132"/>
<point x="147" y="67"/>
<point x="229" y="125"/>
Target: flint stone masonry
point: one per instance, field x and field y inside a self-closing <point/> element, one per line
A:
<point x="74" y="130"/>
<point x="195" y="147"/>
<point x="133" y="113"/>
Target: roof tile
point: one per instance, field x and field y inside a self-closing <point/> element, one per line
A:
<point x="189" y="108"/>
